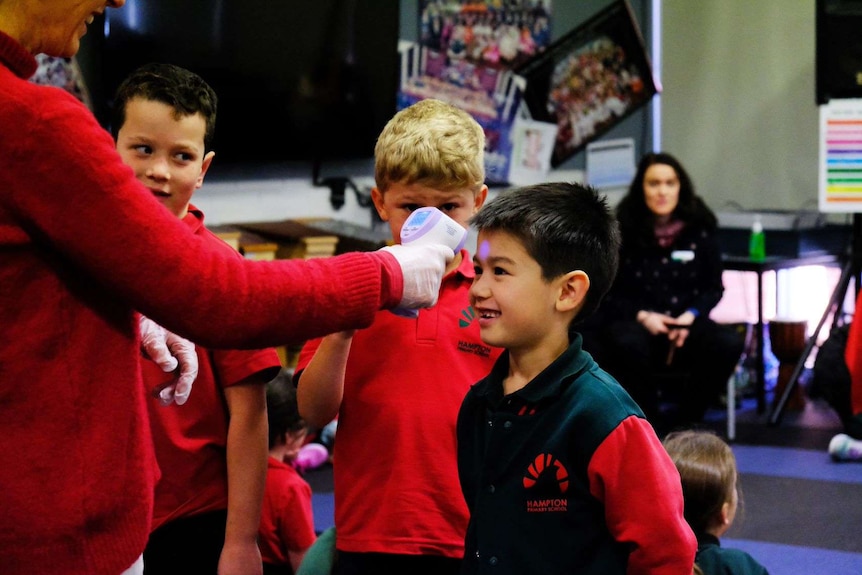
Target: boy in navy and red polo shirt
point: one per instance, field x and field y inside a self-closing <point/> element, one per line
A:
<point x="561" y="471"/>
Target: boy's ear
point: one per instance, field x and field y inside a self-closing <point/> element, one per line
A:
<point x="205" y="165"/>
<point x="573" y="289"/>
<point x="377" y="198"/>
<point x="479" y="198"/>
<point x="724" y="514"/>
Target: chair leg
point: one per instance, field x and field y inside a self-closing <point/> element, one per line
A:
<point x="731" y="382"/>
<point x="731" y="406"/>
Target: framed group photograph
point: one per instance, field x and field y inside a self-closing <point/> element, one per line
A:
<point x="486" y="32"/>
<point x="590" y="79"/>
<point x="491" y="95"/>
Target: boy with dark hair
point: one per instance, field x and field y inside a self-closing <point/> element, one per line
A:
<point x="213" y="451"/>
<point x="398" y="507"/>
<point x="561" y="471"/>
<point x="287" y="523"/>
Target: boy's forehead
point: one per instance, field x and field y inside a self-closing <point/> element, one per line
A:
<point x="420" y="190"/>
<point x="503" y="242"/>
<point x="143" y="104"/>
<point x="156" y="117"/>
<point x="496" y="234"/>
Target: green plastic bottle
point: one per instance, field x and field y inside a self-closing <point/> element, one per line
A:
<point x="757" y="241"/>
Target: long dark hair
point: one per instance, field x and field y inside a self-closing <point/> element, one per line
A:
<point x="635" y="218"/>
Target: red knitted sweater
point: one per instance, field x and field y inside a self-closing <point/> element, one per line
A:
<point x="82" y="245"/>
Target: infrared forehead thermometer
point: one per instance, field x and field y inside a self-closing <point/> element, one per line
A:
<point x="429" y="225"/>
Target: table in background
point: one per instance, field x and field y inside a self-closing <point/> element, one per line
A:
<point x="771" y="263"/>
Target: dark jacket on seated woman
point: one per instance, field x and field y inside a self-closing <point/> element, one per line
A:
<point x="655" y="318"/>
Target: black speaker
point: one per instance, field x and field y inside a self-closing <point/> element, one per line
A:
<point x="839" y="49"/>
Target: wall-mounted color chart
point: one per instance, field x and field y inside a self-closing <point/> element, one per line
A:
<point x="841" y="156"/>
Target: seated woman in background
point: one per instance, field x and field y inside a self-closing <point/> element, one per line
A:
<point x="655" y="318"/>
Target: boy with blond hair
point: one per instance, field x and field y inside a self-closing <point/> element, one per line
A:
<point x="398" y="506"/>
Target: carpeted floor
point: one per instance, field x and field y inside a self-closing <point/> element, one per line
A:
<point x="802" y="512"/>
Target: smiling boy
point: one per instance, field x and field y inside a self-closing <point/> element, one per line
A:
<point x="560" y="470"/>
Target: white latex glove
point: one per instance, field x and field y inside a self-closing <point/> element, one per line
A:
<point x="422" y="266"/>
<point x="170" y="352"/>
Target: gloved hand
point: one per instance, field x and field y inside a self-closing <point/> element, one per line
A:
<point x="170" y="351"/>
<point x="422" y="266"/>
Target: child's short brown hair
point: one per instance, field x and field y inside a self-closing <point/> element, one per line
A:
<point x="707" y="469"/>
<point x="183" y="90"/>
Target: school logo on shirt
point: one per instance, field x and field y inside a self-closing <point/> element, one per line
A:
<point x="475" y="348"/>
<point x="468" y="314"/>
<point x="547" y="476"/>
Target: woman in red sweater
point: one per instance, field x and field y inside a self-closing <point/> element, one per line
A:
<point x="82" y="246"/>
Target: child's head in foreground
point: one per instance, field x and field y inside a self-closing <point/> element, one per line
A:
<point x="552" y="249"/>
<point x="429" y="154"/>
<point x="707" y="468"/>
<point x="163" y="124"/>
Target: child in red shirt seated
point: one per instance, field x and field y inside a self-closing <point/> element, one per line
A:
<point x="286" y="523"/>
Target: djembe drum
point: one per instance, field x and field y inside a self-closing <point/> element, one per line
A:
<point x="787" y="340"/>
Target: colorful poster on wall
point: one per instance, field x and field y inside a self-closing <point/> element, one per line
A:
<point x="492" y="96"/>
<point x="840" y="166"/>
<point x="465" y="56"/>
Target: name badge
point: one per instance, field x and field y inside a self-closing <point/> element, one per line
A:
<point x="682" y="255"/>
